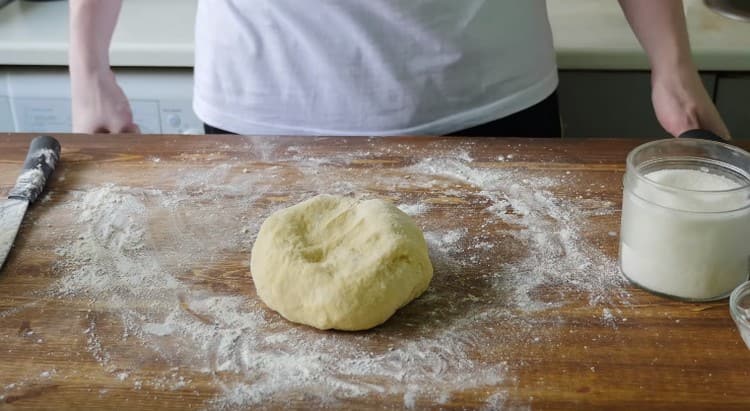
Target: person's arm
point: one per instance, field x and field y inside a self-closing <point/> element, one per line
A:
<point x="99" y="105"/>
<point x="680" y="101"/>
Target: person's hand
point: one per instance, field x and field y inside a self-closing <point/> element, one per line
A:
<point x="100" y="106"/>
<point x="681" y="103"/>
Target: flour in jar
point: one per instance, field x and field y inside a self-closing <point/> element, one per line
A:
<point x="686" y="235"/>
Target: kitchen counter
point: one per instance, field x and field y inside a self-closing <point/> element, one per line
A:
<point x="589" y="34"/>
<point x="593" y="34"/>
<point x="150" y="33"/>
<point x="129" y="284"/>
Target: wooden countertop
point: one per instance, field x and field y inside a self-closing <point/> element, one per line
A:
<point x="129" y="284"/>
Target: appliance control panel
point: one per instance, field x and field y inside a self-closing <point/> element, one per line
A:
<point x="38" y="100"/>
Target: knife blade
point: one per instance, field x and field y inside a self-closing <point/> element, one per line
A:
<point x="44" y="152"/>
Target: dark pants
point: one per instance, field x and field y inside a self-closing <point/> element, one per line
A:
<point x="539" y="120"/>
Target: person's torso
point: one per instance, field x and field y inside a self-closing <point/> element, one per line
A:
<point x="369" y="67"/>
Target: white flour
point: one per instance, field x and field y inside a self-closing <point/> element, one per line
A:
<point x="50" y="157"/>
<point x="556" y="253"/>
<point x="27" y="181"/>
<point x="701" y="254"/>
<point x="432" y="349"/>
<point x="414" y="209"/>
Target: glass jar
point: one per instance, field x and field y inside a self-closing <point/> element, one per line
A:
<point x="685" y="229"/>
<point x="739" y="307"/>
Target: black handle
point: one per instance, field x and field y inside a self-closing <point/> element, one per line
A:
<point x="44" y="152"/>
<point x="702" y="135"/>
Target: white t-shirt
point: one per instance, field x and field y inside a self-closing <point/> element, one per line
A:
<point x="369" y="67"/>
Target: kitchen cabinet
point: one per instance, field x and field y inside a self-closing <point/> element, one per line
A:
<point x="611" y="103"/>
<point x="733" y="101"/>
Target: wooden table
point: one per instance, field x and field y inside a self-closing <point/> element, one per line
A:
<point x="576" y="340"/>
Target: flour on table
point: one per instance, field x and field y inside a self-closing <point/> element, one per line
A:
<point x="557" y="254"/>
<point x="414" y="209"/>
<point x="432" y="349"/>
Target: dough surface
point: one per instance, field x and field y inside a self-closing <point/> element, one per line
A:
<point x="336" y="262"/>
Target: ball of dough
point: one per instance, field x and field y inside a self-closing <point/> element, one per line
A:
<point x="335" y="262"/>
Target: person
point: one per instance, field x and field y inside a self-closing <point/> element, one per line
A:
<point x="381" y="67"/>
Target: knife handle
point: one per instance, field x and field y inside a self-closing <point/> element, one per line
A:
<point x="44" y="152"/>
<point x="702" y="135"/>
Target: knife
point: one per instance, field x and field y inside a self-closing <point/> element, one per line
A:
<point x="40" y="162"/>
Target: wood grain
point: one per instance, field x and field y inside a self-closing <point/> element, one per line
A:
<point x="662" y="354"/>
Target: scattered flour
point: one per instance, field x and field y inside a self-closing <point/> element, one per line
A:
<point x="608" y="318"/>
<point x="557" y="255"/>
<point x="436" y="347"/>
<point x="444" y="242"/>
<point x="414" y="209"/>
